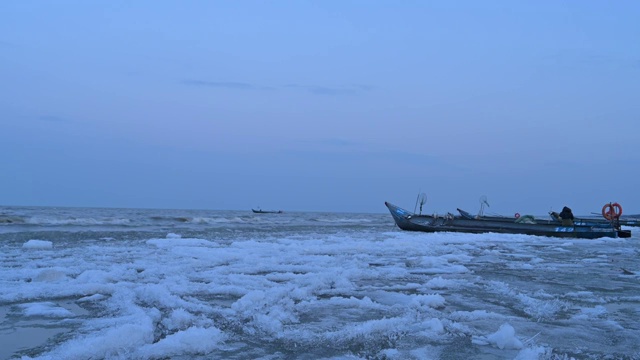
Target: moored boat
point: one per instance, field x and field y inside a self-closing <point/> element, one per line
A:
<point x="555" y="218"/>
<point x="409" y="221"/>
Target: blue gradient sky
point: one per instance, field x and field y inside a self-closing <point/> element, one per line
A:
<point x="320" y="106"/>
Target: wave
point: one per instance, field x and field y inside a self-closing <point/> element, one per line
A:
<point x="202" y="219"/>
<point x="343" y="220"/>
<point x="196" y="219"/>
<point x="37" y="220"/>
<point x="181" y="219"/>
<point x="219" y="220"/>
<point x="7" y="219"/>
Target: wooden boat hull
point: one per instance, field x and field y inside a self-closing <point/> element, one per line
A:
<point x="450" y="223"/>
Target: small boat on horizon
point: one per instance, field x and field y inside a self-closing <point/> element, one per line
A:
<point x="260" y="211"/>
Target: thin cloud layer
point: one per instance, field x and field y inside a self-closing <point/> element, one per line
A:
<point x="313" y="89"/>
<point x="54" y="119"/>
<point x="332" y="91"/>
<point x="222" y="84"/>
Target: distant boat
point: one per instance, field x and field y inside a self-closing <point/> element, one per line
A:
<point x="260" y="211"/>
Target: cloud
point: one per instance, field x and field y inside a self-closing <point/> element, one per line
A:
<point x="590" y="59"/>
<point x="332" y="91"/>
<point x="336" y="148"/>
<point x="7" y="44"/>
<point x="329" y="144"/>
<point x="337" y="142"/>
<point x="313" y="89"/>
<point x="224" y="85"/>
<point x="54" y="119"/>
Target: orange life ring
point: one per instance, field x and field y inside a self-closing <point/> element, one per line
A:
<point x="517" y="215"/>
<point x="611" y="211"/>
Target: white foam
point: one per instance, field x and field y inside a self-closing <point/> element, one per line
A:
<point x="92" y="298"/>
<point x="46" y="309"/>
<point x="38" y="244"/>
<point x="591" y="313"/>
<point x="440" y="283"/>
<point x="43" y="220"/>
<point x="109" y="342"/>
<point x="192" y="341"/>
<point x="179" y="319"/>
<point x="178" y="241"/>
<point x="504" y="338"/>
<point x="534" y="353"/>
<point x="219" y="220"/>
<point x="50" y="275"/>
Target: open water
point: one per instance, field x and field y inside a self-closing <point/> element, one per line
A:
<point x="193" y="284"/>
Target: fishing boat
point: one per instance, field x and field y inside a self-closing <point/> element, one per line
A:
<point x="630" y="221"/>
<point x="553" y="218"/>
<point x="409" y="221"/>
<point x="260" y="211"/>
<point x="609" y="218"/>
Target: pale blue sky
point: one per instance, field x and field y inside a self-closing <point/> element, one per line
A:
<point x="320" y="105"/>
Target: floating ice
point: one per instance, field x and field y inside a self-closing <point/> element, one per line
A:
<point x="192" y="341"/>
<point x="311" y="291"/>
<point x="504" y="338"/>
<point x="38" y="244"/>
<point x="49" y="275"/>
<point x="45" y="309"/>
<point x="91" y="298"/>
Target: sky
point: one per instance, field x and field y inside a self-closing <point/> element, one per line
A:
<point x="320" y="105"/>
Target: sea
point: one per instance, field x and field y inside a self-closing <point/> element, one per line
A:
<point x="96" y="283"/>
